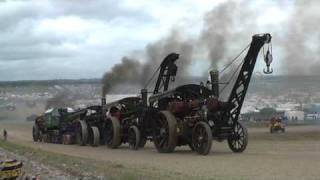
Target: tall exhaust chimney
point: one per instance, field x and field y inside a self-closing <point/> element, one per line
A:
<point x="103" y="105"/>
<point x="144" y="97"/>
<point x="214" y="76"/>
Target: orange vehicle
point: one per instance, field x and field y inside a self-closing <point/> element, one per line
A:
<point x="276" y="125"/>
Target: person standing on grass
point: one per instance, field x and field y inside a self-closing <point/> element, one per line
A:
<point x="5" y="134"/>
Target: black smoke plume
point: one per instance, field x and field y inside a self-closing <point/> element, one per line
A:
<point x="225" y="30"/>
<point x="132" y="71"/>
<point x="224" y="27"/>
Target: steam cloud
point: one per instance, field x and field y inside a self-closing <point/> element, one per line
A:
<point x="66" y="97"/>
<point x="215" y="32"/>
<point x="132" y="71"/>
<point x="225" y="31"/>
<point x="216" y="37"/>
<point x="302" y="44"/>
<point x="61" y="99"/>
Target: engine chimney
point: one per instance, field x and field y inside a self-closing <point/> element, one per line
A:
<point x="144" y="97"/>
<point x="103" y="105"/>
<point x="214" y="76"/>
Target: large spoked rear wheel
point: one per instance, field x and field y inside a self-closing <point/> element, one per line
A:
<point x="35" y="133"/>
<point x="94" y="136"/>
<point x="202" y="138"/>
<point x="238" y="141"/>
<point x="134" y="138"/>
<point x="165" y="134"/>
<point x="113" y="137"/>
<point x="82" y="133"/>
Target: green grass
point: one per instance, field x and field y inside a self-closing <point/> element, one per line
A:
<point x="78" y="167"/>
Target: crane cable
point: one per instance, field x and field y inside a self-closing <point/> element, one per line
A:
<point x="234" y="59"/>
<point x="152" y="77"/>
<point x="226" y="67"/>
<point x="229" y="64"/>
<point x="233" y="74"/>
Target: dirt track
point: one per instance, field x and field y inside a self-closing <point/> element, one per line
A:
<point x="294" y="155"/>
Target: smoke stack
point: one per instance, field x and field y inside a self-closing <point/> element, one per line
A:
<point x="144" y="97"/>
<point x="103" y="105"/>
<point x="214" y="76"/>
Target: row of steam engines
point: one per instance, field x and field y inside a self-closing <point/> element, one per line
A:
<point x="189" y="114"/>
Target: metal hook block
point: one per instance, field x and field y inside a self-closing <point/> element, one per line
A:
<point x="268" y="71"/>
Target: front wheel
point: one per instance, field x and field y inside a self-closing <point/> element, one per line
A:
<point x="113" y="137"/>
<point x="165" y="133"/>
<point x="95" y="136"/>
<point x="202" y="138"/>
<point x="35" y="133"/>
<point x="134" y="138"/>
<point x="238" y="141"/>
<point x="82" y="133"/>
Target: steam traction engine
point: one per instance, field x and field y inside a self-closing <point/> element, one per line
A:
<point x="124" y="121"/>
<point x="130" y="120"/>
<point x="192" y="114"/>
<point x="68" y="126"/>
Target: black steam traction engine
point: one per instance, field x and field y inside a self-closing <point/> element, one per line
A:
<point x="68" y="126"/>
<point x="192" y="114"/>
<point x="130" y="120"/>
<point x="189" y="114"/>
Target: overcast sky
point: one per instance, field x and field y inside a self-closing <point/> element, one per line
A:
<point x="68" y="39"/>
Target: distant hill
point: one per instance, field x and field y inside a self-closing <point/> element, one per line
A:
<point x="259" y="84"/>
<point x="49" y="82"/>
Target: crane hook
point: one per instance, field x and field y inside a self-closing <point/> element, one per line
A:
<point x="268" y="59"/>
<point x="268" y="71"/>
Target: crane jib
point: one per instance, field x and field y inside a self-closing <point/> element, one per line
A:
<point x="241" y="85"/>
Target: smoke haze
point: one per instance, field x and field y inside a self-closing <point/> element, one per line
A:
<point x="132" y="71"/>
<point x="226" y="31"/>
<point x="302" y="44"/>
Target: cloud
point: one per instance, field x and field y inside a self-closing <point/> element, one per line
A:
<point x="83" y="39"/>
<point x="51" y="32"/>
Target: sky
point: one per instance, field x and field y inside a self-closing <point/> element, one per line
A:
<point x="72" y="39"/>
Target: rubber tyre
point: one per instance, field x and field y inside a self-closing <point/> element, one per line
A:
<point x="165" y="143"/>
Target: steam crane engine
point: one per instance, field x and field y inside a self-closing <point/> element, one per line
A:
<point x="193" y="115"/>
